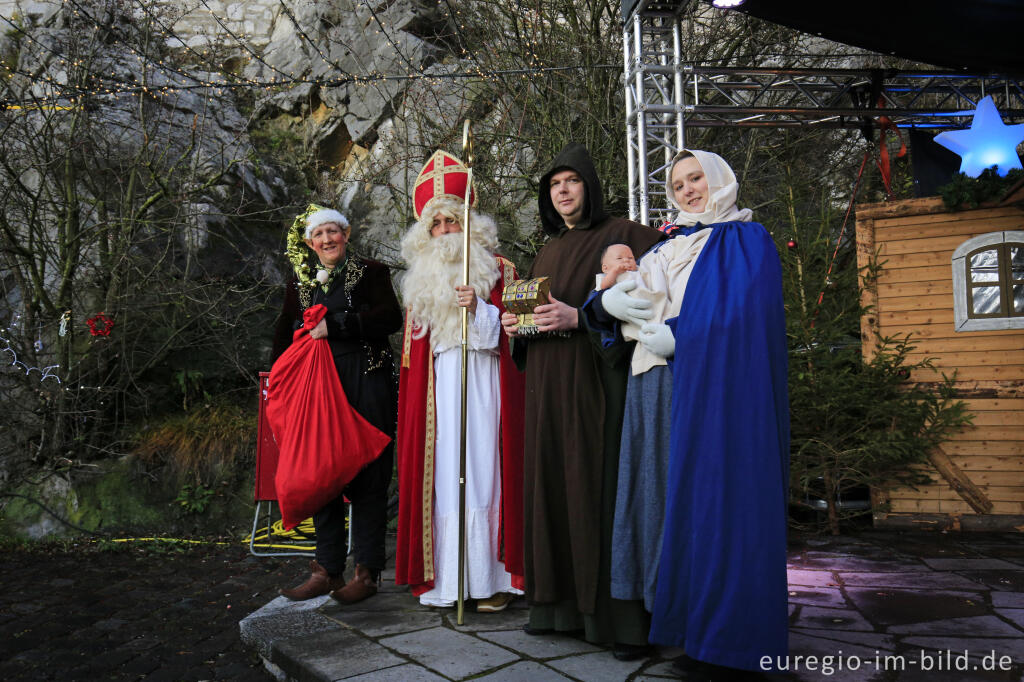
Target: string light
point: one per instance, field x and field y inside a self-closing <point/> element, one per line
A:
<point x="45" y="371"/>
<point x="119" y="86"/>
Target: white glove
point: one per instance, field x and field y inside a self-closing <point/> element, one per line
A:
<point x="622" y="306"/>
<point x="657" y="338"/>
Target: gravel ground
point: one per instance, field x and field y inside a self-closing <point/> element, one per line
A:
<point x="153" y="610"/>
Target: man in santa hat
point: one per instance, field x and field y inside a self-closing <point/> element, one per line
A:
<point x="429" y="410"/>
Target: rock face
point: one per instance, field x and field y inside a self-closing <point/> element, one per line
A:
<point x="365" y="87"/>
<point x="165" y="176"/>
<point x="183" y="111"/>
<point x="371" y="93"/>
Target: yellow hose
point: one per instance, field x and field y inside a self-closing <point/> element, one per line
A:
<point x="304" y="532"/>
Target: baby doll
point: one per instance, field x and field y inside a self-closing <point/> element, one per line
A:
<point x="616" y="259"/>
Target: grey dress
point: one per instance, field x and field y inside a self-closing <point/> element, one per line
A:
<point x="640" y="495"/>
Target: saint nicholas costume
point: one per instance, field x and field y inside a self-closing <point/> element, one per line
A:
<point x="429" y="407"/>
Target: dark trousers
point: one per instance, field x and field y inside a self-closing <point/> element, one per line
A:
<point x="368" y="492"/>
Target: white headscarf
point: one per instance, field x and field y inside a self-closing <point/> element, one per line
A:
<point x="722" y="189"/>
<point x="663" y="274"/>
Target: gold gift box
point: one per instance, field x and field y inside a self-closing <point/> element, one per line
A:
<point x="521" y="296"/>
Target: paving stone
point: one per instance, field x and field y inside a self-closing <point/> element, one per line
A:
<point x="876" y="640"/>
<point x="861" y="674"/>
<point x="976" y="647"/>
<point x="539" y="646"/>
<point x="1014" y="615"/>
<point x="1003" y="548"/>
<point x="799" y="576"/>
<point x="897" y="607"/>
<point x="283" y="619"/>
<point x="662" y="669"/>
<point x="840" y="544"/>
<point x="283" y="605"/>
<point x="274" y="671"/>
<point x="380" y="623"/>
<point x="831" y="562"/>
<point x="509" y="619"/>
<point x="524" y="670"/>
<point x="409" y="672"/>
<point x="919" y="580"/>
<point x="388" y="587"/>
<point x="599" y="667"/>
<point x="402" y="601"/>
<point x="831" y="619"/>
<point x="970" y="564"/>
<point x="1007" y="581"/>
<point x="332" y="655"/>
<point x="979" y="626"/>
<point x="827" y="648"/>
<point x="924" y="547"/>
<point x="975" y="674"/>
<point x="821" y="596"/>
<point x="1013" y="600"/>
<point x="450" y="653"/>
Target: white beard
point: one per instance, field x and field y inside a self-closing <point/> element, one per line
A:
<point x="428" y="288"/>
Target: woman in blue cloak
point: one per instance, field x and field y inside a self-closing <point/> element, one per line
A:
<point x="700" y="523"/>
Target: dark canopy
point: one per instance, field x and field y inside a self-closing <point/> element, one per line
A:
<point x="977" y="36"/>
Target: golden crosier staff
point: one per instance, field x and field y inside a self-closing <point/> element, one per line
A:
<point x="467" y="154"/>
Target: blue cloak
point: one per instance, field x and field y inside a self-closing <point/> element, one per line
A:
<point x="721" y="589"/>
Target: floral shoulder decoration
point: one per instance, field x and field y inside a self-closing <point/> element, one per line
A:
<point x="301" y="257"/>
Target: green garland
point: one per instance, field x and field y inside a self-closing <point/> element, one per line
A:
<point x="968" y="192"/>
<point x="298" y="253"/>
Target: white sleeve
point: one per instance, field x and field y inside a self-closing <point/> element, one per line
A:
<point x="484" y="327"/>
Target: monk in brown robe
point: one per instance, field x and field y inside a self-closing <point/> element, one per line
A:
<point x="575" y="394"/>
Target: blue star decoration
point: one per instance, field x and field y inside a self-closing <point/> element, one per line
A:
<point x="988" y="142"/>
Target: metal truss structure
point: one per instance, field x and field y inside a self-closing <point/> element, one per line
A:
<point x="665" y="96"/>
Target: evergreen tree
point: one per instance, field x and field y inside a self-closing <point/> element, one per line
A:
<point x="856" y="423"/>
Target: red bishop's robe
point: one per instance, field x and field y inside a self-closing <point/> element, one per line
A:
<point x="414" y="564"/>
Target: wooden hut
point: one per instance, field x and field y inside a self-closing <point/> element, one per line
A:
<point x="955" y="281"/>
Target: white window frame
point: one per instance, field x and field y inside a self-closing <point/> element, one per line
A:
<point x="963" y="323"/>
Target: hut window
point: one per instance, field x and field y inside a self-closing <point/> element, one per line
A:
<point x="988" y="282"/>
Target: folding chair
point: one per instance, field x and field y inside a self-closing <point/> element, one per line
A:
<point x="273" y="539"/>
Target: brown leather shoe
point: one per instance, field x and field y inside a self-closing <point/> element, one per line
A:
<point x="318" y="583"/>
<point x="362" y="586"/>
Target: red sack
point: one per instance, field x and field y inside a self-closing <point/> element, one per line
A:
<point x="323" y="441"/>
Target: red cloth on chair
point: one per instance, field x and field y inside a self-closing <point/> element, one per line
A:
<point x="323" y="441"/>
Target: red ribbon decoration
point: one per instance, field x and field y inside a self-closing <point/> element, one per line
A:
<point x="100" y="324"/>
<point x="885" y="125"/>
